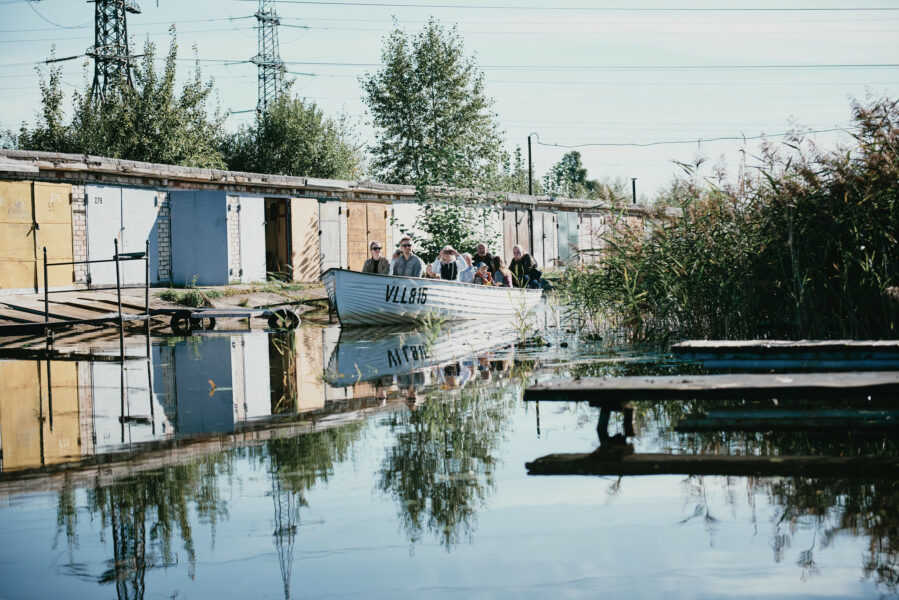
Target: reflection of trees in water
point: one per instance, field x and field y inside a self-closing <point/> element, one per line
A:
<point x="146" y="512"/>
<point x="824" y="507"/>
<point x="143" y="513"/>
<point x="440" y="469"/>
<point x="855" y="507"/>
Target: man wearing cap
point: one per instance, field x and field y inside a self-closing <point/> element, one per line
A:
<point x="407" y="264"/>
<point x="377" y="263"/>
<point x="449" y="265"/>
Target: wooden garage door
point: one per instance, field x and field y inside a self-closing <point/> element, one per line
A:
<point x="34" y="215"/>
<point x="53" y="214"/>
<point x="366" y="222"/>
<point x="304" y="239"/>
<point x="17" y="264"/>
<point x="357" y="237"/>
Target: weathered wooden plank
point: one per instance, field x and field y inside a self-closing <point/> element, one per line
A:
<point x="111" y="299"/>
<point x="765" y="355"/>
<point x="618" y="464"/>
<point x="768" y="346"/>
<point x="883" y="384"/>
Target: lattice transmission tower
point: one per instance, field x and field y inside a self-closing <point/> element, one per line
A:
<point x="112" y="59"/>
<point x="268" y="59"/>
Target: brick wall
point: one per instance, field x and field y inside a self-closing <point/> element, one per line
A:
<point x="79" y="232"/>
<point x="164" y="237"/>
<point x="233" y="238"/>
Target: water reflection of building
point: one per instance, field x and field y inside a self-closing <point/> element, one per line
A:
<point x="55" y="411"/>
<point x="40" y="414"/>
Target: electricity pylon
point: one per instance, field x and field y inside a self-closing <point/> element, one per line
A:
<point x="267" y="59"/>
<point x="112" y="59"/>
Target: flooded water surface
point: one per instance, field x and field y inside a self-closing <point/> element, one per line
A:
<point x="391" y="464"/>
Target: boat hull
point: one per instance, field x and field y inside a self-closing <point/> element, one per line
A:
<point x="362" y="299"/>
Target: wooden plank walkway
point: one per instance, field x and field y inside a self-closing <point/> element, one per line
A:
<point x="880" y="385"/>
<point x="621" y="463"/>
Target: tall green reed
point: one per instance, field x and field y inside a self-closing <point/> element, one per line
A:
<point x="805" y="246"/>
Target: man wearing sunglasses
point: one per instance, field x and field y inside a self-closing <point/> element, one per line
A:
<point x="407" y="264"/>
<point x="377" y="263"/>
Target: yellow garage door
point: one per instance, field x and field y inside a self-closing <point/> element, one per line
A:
<point x="53" y="214"/>
<point x="34" y="215"/>
<point x="17" y="266"/>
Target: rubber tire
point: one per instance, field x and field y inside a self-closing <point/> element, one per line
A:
<point x="283" y="319"/>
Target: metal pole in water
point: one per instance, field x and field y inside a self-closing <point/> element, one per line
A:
<point x="118" y="289"/>
<point x="147" y="292"/>
<point x="46" y="292"/>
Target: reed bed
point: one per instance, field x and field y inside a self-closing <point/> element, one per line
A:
<point x="802" y="246"/>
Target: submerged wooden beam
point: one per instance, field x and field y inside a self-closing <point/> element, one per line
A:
<point x="878" y="385"/>
<point x="791" y="420"/>
<point x="616" y="464"/>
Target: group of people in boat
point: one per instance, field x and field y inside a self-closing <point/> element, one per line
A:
<point x="482" y="268"/>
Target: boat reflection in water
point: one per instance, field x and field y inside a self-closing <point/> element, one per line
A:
<point x="391" y="362"/>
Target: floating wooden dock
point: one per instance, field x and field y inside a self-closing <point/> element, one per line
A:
<point x="879" y="385"/>
<point x="622" y="463"/>
<point x="765" y="355"/>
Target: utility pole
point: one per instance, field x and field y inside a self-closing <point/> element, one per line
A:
<point x="268" y="59"/>
<point x="634" y="188"/>
<point x="112" y="60"/>
<point x="531" y="166"/>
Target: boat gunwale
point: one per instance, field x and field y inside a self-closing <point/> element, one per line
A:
<point x="430" y="280"/>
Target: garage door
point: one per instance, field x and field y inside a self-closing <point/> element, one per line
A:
<point x="34" y="215"/>
<point x="329" y="234"/>
<point x="304" y="238"/>
<point x="129" y="216"/>
<point x="17" y="264"/>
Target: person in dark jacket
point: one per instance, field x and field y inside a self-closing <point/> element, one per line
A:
<point x="523" y="267"/>
<point x="482" y="256"/>
<point x="377" y="263"/>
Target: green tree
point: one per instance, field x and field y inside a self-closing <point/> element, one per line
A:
<point x="435" y="129"/>
<point x="568" y="178"/>
<point x="149" y="121"/>
<point x="293" y="137"/>
<point x="434" y="124"/>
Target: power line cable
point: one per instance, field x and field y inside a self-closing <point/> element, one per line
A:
<point x="587" y="8"/>
<point x="694" y="141"/>
<point x="61" y="26"/>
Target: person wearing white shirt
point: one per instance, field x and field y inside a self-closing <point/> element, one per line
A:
<point x="449" y="265"/>
<point x="467" y="274"/>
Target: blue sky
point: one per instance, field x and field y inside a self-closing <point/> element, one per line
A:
<point x="573" y="72"/>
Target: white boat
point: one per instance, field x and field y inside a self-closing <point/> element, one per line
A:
<point x="371" y="299"/>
